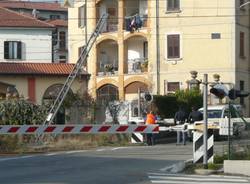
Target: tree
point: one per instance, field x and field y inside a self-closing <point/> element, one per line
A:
<point x="189" y="98"/>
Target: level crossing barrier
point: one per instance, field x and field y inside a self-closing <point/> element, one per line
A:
<point x="76" y="129"/>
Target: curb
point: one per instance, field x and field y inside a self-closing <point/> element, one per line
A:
<point x="178" y="167"/>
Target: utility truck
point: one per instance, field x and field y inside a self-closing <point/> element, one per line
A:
<point x="127" y="113"/>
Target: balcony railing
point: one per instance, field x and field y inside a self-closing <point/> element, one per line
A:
<point x="107" y="69"/>
<point x="138" y="65"/>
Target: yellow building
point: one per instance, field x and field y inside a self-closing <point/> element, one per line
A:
<point x="154" y="44"/>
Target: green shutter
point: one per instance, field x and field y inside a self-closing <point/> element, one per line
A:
<point x="19" y="50"/>
<point x="6" y="50"/>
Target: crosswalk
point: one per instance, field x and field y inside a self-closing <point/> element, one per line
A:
<point x="164" y="178"/>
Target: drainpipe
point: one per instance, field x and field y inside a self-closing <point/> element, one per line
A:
<point x="86" y="30"/>
<point x="157" y="48"/>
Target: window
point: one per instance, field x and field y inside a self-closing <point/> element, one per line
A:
<point x="242" y="44"/>
<point x="62" y="38"/>
<point x="242" y="84"/>
<point x="82" y="16"/>
<point x="215" y="36"/>
<point x="171" y="87"/>
<point x="54" y="17"/>
<point x="54" y="37"/>
<point x="62" y="59"/>
<point x="173" y="46"/>
<point x="173" y="5"/>
<point x="12" y="50"/>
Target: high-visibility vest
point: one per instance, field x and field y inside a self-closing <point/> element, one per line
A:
<point x="150" y="119"/>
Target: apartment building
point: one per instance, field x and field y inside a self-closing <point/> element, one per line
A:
<point x="154" y="44"/>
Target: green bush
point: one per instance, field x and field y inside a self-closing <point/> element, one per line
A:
<point x="214" y="166"/>
<point x="20" y="111"/>
<point x="219" y="159"/>
<point x="167" y="105"/>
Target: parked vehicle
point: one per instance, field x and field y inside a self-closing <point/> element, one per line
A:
<point x="128" y="114"/>
<point x="215" y="112"/>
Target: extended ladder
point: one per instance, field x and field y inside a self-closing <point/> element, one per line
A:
<point x="82" y="59"/>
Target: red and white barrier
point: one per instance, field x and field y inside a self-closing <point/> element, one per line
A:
<point x="77" y="129"/>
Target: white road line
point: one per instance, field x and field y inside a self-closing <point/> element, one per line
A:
<point x="15" y="158"/>
<point x="52" y="154"/>
<point x="165" y="178"/>
<point x="100" y="150"/>
<point x="210" y="179"/>
<point x="113" y="149"/>
<point x="76" y="151"/>
<point x="192" y="175"/>
<point x="187" y="182"/>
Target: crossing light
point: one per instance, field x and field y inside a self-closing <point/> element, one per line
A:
<point x="233" y="94"/>
<point x="148" y="97"/>
<point x="219" y="90"/>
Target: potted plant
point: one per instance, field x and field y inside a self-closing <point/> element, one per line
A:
<point x="109" y="68"/>
<point x="144" y="66"/>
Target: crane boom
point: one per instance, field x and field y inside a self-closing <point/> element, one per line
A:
<point x="80" y="62"/>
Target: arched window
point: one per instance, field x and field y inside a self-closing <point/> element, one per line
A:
<point x="107" y="93"/>
<point x="48" y="98"/>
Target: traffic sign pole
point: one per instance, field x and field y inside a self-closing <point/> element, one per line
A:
<point x="205" y="88"/>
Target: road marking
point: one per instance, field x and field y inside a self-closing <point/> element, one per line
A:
<point x="52" y="154"/>
<point x="113" y="149"/>
<point x="100" y="150"/>
<point x="15" y="158"/>
<point x="164" y="178"/>
<point x="76" y="151"/>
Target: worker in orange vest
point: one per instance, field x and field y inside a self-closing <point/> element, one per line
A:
<point x="149" y="121"/>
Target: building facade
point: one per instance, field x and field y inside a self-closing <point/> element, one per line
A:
<point x="49" y="12"/>
<point x="153" y="45"/>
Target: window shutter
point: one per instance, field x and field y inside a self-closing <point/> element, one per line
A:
<point x="242" y="44"/>
<point x="177" y="4"/>
<point x="176" y="40"/>
<point x="173" y="46"/>
<point x="19" y="50"/>
<point x="6" y="50"/>
<point x="170" y="49"/>
<point x="170" y="5"/>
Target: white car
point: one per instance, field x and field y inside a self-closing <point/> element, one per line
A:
<point x="222" y="111"/>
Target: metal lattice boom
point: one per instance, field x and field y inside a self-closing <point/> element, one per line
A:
<point x="81" y="61"/>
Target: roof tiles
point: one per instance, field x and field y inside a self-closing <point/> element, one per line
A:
<point x="13" y="19"/>
<point x="49" y="6"/>
<point x="36" y="68"/>
<point x="58" y="22"/>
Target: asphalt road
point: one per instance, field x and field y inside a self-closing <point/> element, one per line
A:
<point x="108" y="165"/>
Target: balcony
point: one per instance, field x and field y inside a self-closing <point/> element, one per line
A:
<point x="107" y="58"/>
<point x="136" y="15"/>
<point x="136" y="55"/>
<point x="137" y="66"/>
<point x="110" y="7"/>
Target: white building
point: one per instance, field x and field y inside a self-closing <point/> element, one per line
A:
<point x="24" y="38"/>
